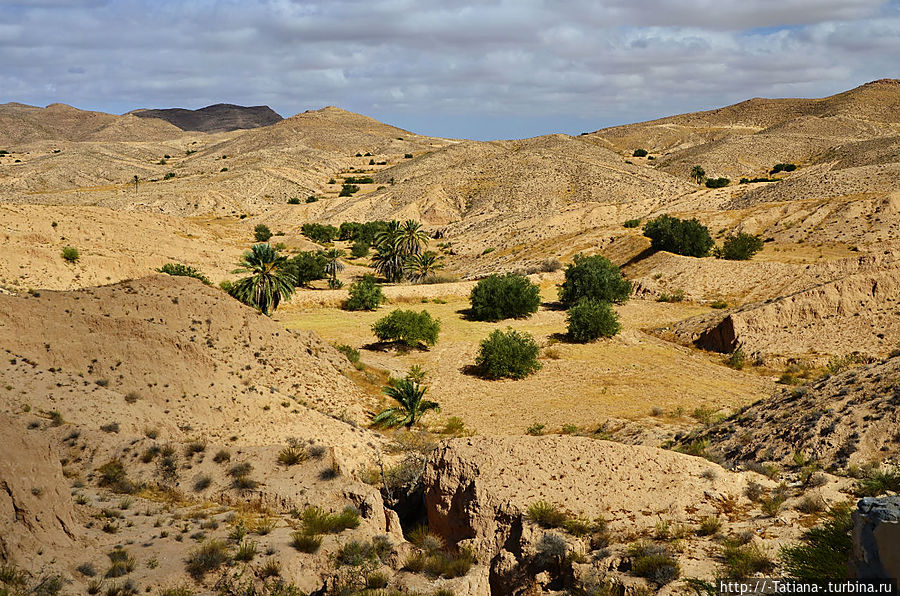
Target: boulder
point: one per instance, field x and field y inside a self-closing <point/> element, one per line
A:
<point x="876" y="539"/>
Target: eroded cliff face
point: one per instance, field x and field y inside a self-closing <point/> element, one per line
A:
<point x="876" y="539"/>
<point x="478" y="490"/>
<point x="36" y="510"/>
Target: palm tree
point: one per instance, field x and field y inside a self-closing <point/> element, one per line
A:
<point x="270" y="280"/>
<point x="332" y="265"/>
<point x="412" y="238"/>
<point x="698" y="174"/>
<point x="421" y="266"/>
<point x="409" y="395"/>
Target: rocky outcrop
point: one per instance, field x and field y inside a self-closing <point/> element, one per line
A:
<point x="36" y="511"/>
<point x="876" y="539"/>
<point x="220" y="117"/>
<point x="478" y="490"/>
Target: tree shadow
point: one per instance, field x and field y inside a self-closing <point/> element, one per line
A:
<point x="555" y="305"/>
<point x="393" y="346"/>
<point x="471" y="370"/>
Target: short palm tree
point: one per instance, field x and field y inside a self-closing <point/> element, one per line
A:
<point x="409" y="395"/>
<point x="270" y="280"/>
<point x="332" y="263"/>
<point x="421" y="266"/>
<point x="698" y="174"/>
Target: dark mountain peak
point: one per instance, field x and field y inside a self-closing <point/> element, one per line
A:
<point x="220" y="117"/>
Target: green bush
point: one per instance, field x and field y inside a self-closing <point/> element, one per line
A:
<point x="739" y="247"/>
<point x="639" y="153"/>
<point x="293" y="201"/>
<point x="348" y="190"/>
<point x="632" y="223"/>
<point x="824" y="551"/>
<point x="169" y="176"/>
<point x="359" y="249"/>
<point x="593" y="278"/>
<point x="717" y="182"/>
<point x="546" y="515"/>
<point x="365" y="294"/>
<point x="359" y="180"/>
<point x="653" y="562"/>
<point x="70" y="254"/>
<point x="308" y="266"/>
<point x="262" y="233"/>
<point x="319" y="233"/>
<point x="588" y="320"/>
<point x="179" y="270"/>
<point x="509" y="353"/>
<point x="680" y="236"/>
<point x="311" y="199"/>
<point x="744" y="560"/>
<point x="783" y="167"/>
<point x="509" y="296"/>
<point x="408" y="328"/>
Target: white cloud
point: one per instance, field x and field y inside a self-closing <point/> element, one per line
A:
<point x="490" y="62"/>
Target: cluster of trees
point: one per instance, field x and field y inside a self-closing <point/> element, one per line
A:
<point x="690" y="238"/>
<point x="400" y="252"/>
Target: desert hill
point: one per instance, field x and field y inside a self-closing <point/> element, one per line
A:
<point x="21" y="124"/>
<point x="847" y="419"/>
<point x="221" y="117"/>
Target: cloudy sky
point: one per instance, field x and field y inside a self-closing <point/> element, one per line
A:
<point x="476" y="69"/>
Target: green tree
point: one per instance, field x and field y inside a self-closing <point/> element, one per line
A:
<point x="509" y="296"/>
<point x="412" y="238"/>
<point x="269" y="282"/>
<point x="408" y="327"/>
<point x="589" y="320"/>
<point x="698" y="174"/>
<point x="509" y="353"/>
<point x="262" y="233"/>
<point x="411" y="406"/>
<point x="308" y="266"/>
<point x="365" y="294"/>
<point x="686" y="237"/>
<point x="739" y="247"/>
<point x="595" y="278"/>
<point x="419" y="267"/>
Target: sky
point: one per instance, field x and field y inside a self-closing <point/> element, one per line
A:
<point x="465" y="69"/>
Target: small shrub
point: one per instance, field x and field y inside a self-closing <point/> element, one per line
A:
<point x="262" y="233"/>
<point x="680" y="236"/>
<point x="878" y="482"/>
<point x="744" y="560"/>
<point x="348" y="190"/>
<point x="709" y="526"/>
<point x="739" y="247"/>
<point x="736" y="359"/>
<point x="291" y="455"/>
<point x="208" y="557"/>
<point x="639" y="153"/>
<point x="509" y="296"/>
<point x="589" y="320"/>
<point x="365" y="294"/>
<point x="245" y="551"/>
<point x="717" y="182"/>
<point x="202" y="482"/>
<point x="70" y="254"/>
<point x="306" y="543"/>
<point x="512" y="354"/>
<point x="676" y="296"/>
<point x="536" y="429"/>
<point x="719" y="304"/>
<point x="179" y="270"/>
<point x="293" y="201"/>
<point x="408" y="327"/>
<point x="632" y="223"/>
<point x="169" y="176"/>
<point x="311" y="199"/>
<point x="222" y="456"/>
<point x="810" y="504"/>
<point x="546" y="515"/>
<point x="594" y="278"/>
<point x="653" y="562"/>
<point x="350" y="352"/>
<point x="824" y="550"/>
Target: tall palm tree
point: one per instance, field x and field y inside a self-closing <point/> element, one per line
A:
<point x="412" y="238"/>
<point x="420" y="266"/>
<point x="388" y="234"/>
<point x="388" y="262"/>
<point x="698" y="174"/>
<point x="270" y="280"/>
<point x="332" y="263"/>
<point x="408" y="394"/>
